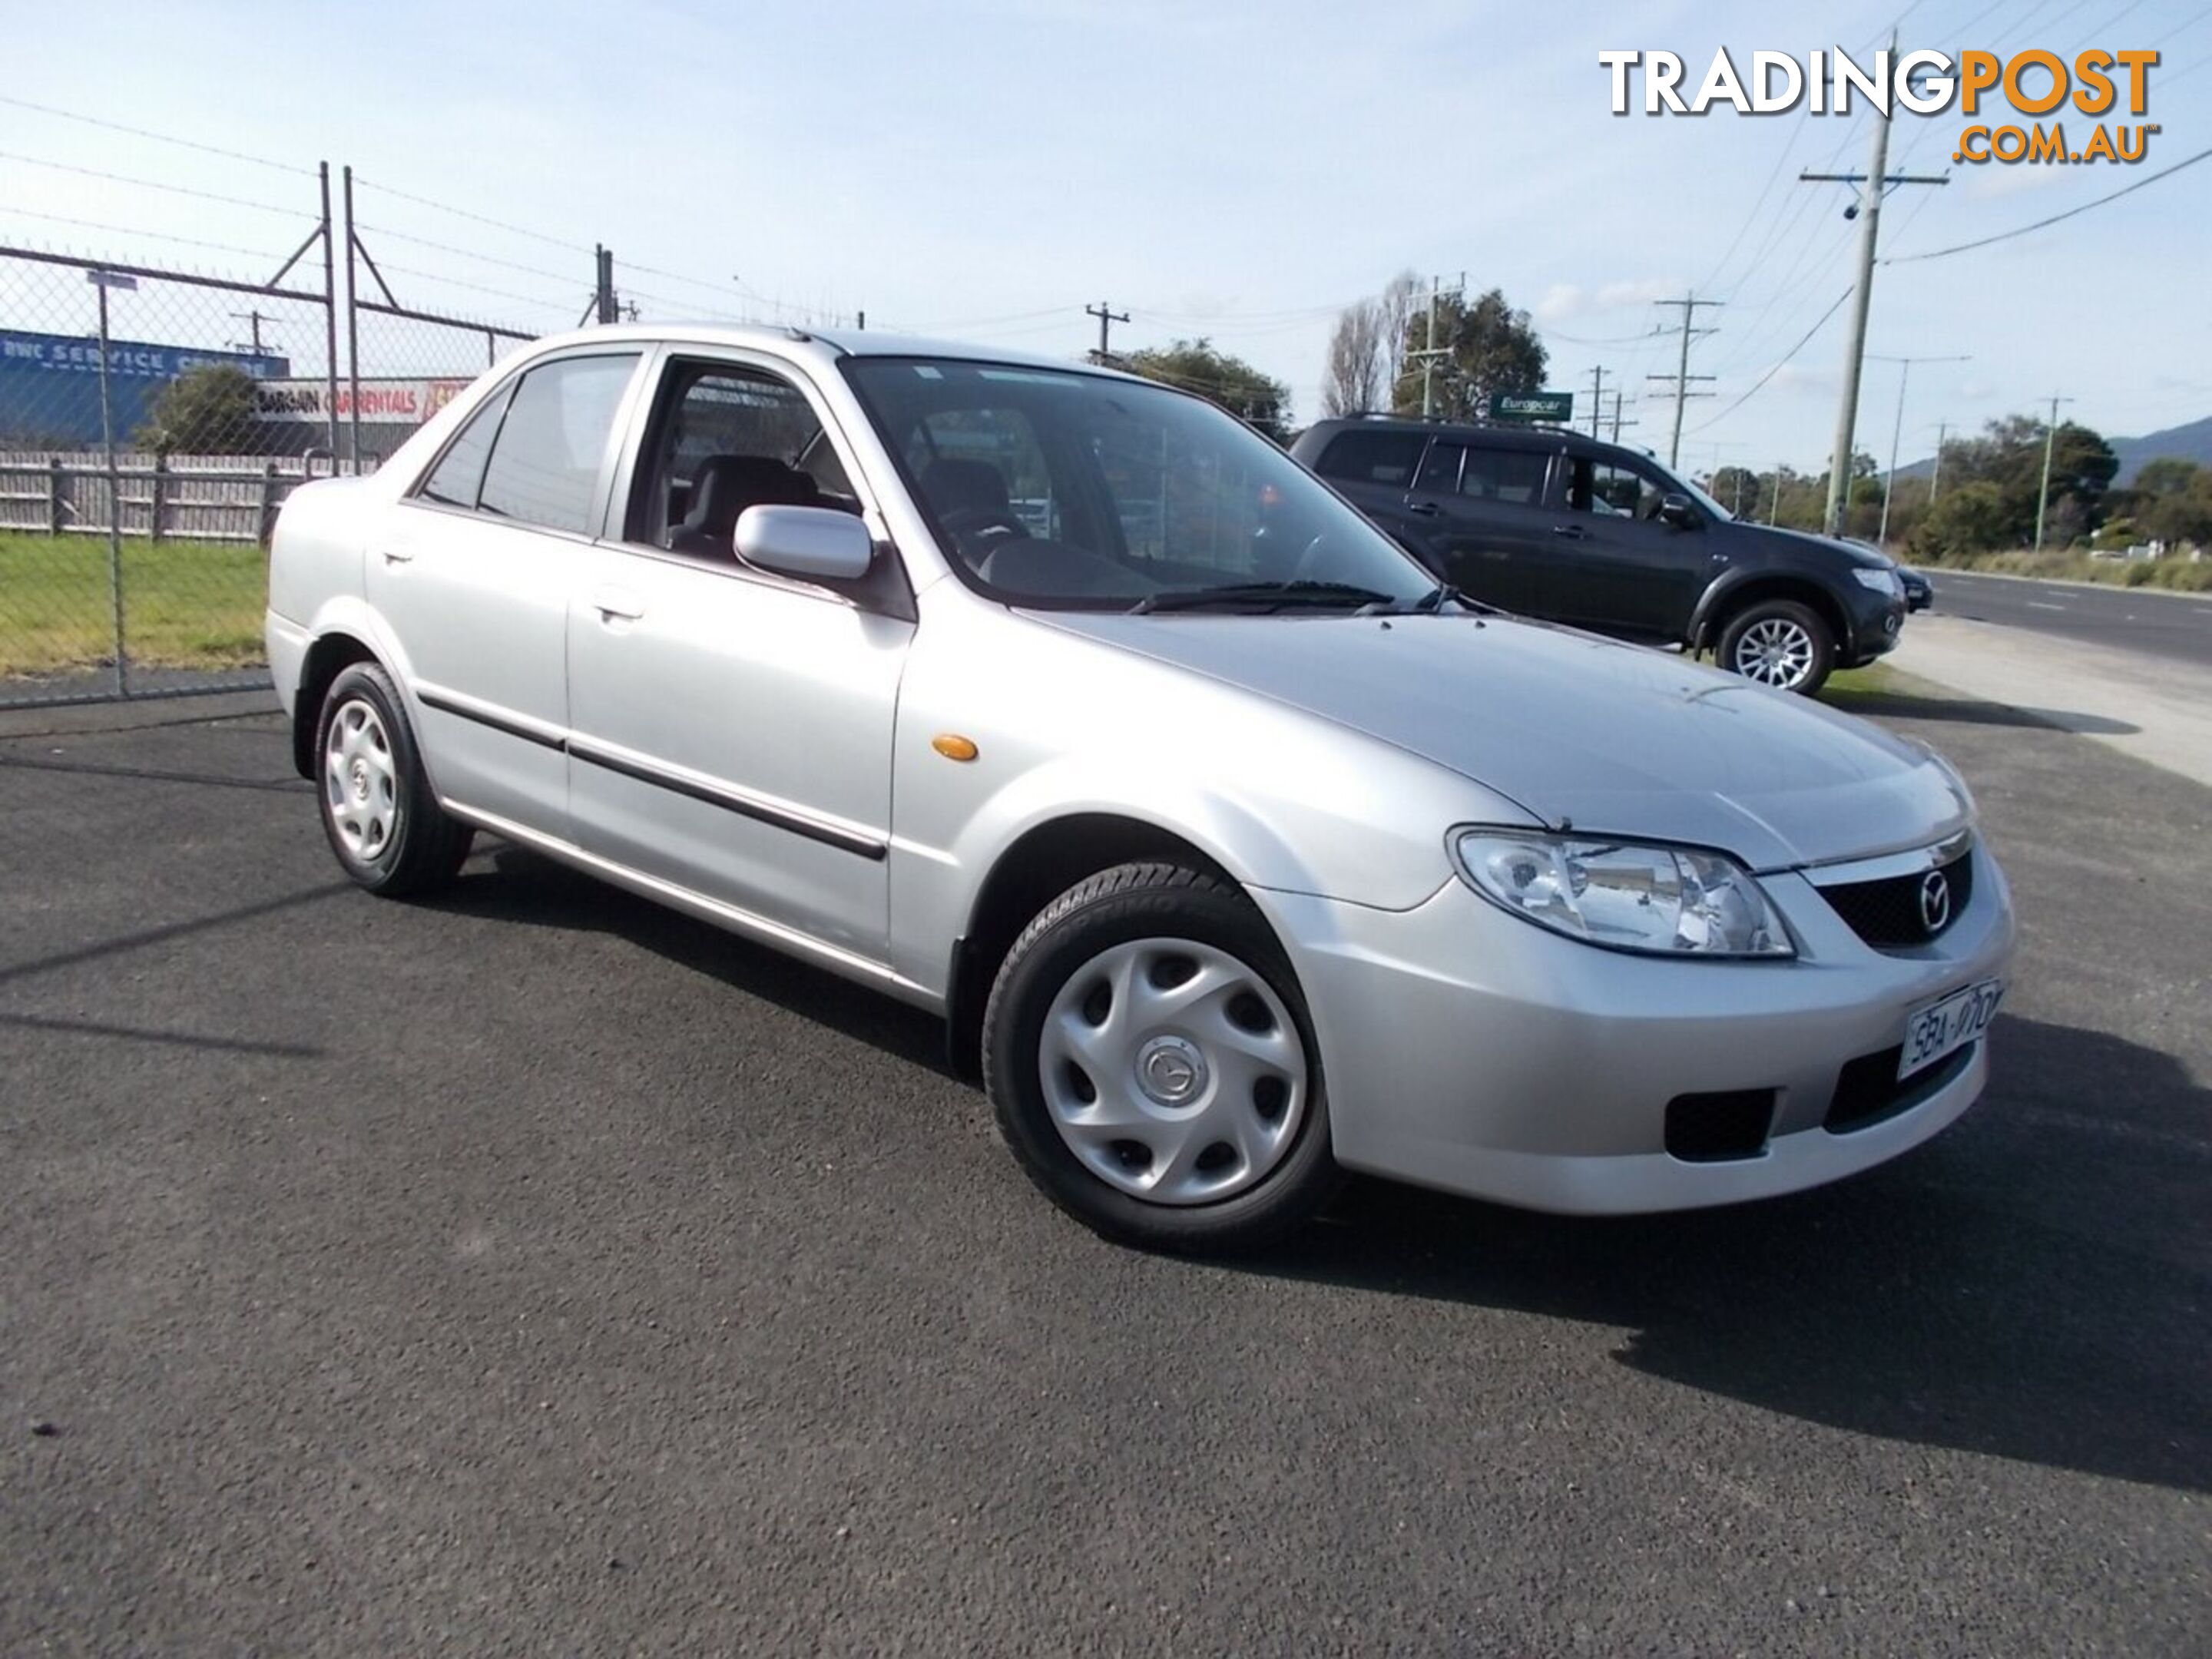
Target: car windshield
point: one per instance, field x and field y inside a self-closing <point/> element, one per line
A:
<point x="1069" y="490"/>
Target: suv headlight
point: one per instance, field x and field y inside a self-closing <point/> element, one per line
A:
<point x="1882" y="581"/>
<point x="1666" y="901"/>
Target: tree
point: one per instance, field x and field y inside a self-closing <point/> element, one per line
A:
<point x="1355" y="375"/>
<point x="1231" y="382"/>
<point x="1739" y="489"/>
<point x="1489" y="348"/>
<point x="1967" y="519"/>
<point x="208" y="410"/>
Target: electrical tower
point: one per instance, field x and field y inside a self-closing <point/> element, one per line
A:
<point x="1681" y="377"/>
<point x="252" y="320"/>
<point x="1597" y="398"/>
<point x="2042" y="496"/>
<point x="1429" y="357"/>
<point x="1897" y="432"/>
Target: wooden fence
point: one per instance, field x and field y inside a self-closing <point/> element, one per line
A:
<point x="202" y="498"/>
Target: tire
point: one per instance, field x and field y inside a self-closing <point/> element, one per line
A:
<point x="384" y="825"/>
<point x="1781" y="643"/>
<point x="1153" y="1068"/>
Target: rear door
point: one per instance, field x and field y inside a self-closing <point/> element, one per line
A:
<point x="1625" y="571"/>
<point x="472" y="570"/>
<point x="1490" y="530"/>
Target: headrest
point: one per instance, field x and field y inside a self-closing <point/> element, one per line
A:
<point x="957" y="486"/>
<point x="726" y="485"/>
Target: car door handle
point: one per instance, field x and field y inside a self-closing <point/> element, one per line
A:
<point x="615" y="603"/>
<point x="1573" y="533"/>
<point x="399" y="553"/>
<point x="1426" y="509"/>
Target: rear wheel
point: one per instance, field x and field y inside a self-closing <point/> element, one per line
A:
<point x="384" y="823"/>
<point x="1781" y="643"/>
<point x="1149" y="1054"/>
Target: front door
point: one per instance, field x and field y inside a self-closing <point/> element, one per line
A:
<point x="731" y="729"/>
<point x="1622" y="569"/>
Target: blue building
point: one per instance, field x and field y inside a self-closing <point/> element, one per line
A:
<point x="50" y="384"/>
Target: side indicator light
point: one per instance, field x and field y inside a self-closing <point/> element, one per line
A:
<point x="953" y="747"/>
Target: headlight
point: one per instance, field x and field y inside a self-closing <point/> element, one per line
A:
<point x="1882" y="581"/>
<point x="1665" y="900"/>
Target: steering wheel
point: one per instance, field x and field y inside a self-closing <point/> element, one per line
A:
<point x="983" y="521"/>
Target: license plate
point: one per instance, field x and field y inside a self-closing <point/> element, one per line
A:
<point x="1945" y="1027"/>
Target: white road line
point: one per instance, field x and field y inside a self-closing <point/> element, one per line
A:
<point x="2035" y="605"/>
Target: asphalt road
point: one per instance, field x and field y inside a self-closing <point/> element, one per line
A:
<point x="535" y="1271"/>
<point x="2173" y="625"/>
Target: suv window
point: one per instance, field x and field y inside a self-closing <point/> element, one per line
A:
<point x="1613" y="490"/>
<point x="1515" y="476"/>
<point x="1440" y="471"/>
<point x="545" y="462"/>
<point x="1383" y="458"/>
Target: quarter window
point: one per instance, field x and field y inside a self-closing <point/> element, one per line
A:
<point x="459" y="476"/>
<point x="545" y="463"/>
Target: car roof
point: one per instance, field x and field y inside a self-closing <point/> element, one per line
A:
<point x="820" y="345"/>
<point x="1544" y="434"/>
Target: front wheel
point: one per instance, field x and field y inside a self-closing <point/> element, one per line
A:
<point x="1781" y="643"/>
<point x="1149" y="1055"/>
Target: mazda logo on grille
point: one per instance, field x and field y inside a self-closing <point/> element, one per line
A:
<point x="1935" y="902"/>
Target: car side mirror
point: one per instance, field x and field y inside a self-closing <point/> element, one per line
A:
<point x="1675" y="509"/>
<point x="813" y="544"/>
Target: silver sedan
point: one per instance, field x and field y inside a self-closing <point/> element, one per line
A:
<point x="1234" y="851"/>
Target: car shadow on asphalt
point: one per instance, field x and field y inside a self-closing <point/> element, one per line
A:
<point x="1897" y="705"/>
<point x="2032" y="1285"/>
<point x="513" y="885"/>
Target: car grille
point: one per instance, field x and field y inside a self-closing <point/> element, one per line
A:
<point x="1886" y="914"/>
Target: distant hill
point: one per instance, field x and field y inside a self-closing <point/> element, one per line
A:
<point x="2192" y="442"/>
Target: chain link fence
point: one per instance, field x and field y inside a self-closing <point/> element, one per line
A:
<point x="152" y="423"/>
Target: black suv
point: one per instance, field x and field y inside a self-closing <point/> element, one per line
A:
<point x="1561" y="527"/>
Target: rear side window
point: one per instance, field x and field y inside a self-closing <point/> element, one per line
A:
<point x="1383" y="458"/>
<point x="1440" y="472"/>
<point x="1515" y="476"/>
<point x="545" y="462"/>
<point x="459" y="476"/>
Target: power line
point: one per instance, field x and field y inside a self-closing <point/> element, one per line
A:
<point x="158" y="137"/>
<point x="152" y="183"/>
<point x="1835" y="306"/>
<point x="2040" y="224"/>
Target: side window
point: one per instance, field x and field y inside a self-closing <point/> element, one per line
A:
<point x="728" y="437"/>
<point x="1377" y="458"/>
<point x="1611" y="490"/>
<point x="1513" y="476"/>
<point x="545" y="463"/>
<point x="1439" y="473"/>
<point x="459" y="476"/>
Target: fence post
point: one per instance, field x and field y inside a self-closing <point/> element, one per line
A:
<point x="54" y="497"/>
<point x="114" y="492"/>
<point x="160" y="477"/>
<point x="267" y="501"/>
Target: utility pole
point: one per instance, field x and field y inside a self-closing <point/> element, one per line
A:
<point x="1774" y="502"/>
<point x="252" y="320"/>
<point x="1934" y="478"/>
<point x="1872" y="186"/>
<point x="2042" y="496"/>
<point x="604" y="305"/>
<point x="1597" y="396"/>
<point x="1107" y="317"/>
<point x="1617" y="422"/>
<point x="1897" y="432"/>
<point x="1681" y="377"/>
<point x="1430" y="355"/>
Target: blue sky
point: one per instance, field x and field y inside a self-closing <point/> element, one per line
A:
<point x="984" y="169"/>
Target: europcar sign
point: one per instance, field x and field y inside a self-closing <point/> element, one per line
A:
<point x="1557" y="408"/>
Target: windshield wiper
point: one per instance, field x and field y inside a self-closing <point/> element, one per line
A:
<point x="1428" y="604"/>
<point x="1270" y="595"/>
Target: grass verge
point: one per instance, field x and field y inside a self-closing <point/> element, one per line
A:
<point x="186" y="604"/>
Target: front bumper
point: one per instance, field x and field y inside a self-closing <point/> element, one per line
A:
<point x="1470" y="1051"/>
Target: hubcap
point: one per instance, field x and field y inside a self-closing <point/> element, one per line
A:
<point x="1775" y="651"/>
<point x="1173" y="1071"/>
<point x="361" y="781"/>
